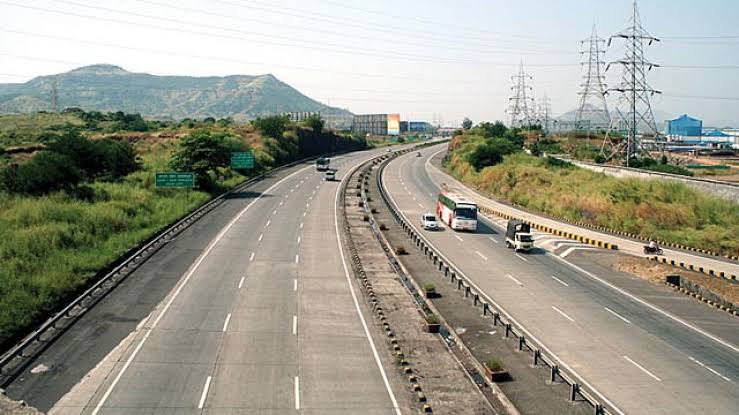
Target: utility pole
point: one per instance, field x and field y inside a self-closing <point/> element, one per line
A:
<point x="521" y="103"/>
<point x="633" y="106"/>
<point x="591" y="114"/>
<point x="55" y="96"/>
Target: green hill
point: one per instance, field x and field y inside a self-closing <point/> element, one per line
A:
<point x="111" y="88"/>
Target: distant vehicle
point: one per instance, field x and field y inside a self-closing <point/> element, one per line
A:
<point x="330" y="175"/>
<point x="418" y="154"/>
<point x="457" y="212"/>
<point x="652" y="249"/>
<point x="323" y="163"/>
<point x="388" y="150"/>
<point x="428" y="221"/>
<point x="518" y="236"/>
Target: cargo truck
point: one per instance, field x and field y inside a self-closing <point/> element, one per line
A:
<point x="518" y="236"/>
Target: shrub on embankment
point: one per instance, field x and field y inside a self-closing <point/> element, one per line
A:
<point x="663" y="210"/>
<point x="55" y="235"/>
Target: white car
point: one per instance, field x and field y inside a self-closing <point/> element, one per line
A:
<point x="428" y="221"/>
<point x="330" y="175"/>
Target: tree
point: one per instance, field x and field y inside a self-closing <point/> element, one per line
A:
<point x="272" y="126"/>
<point x="490" y="153"/>
<point x="490" y="130"/>
<point x="315" y="123"/>
<point x="202" y="152"/>
<point x="466" y="123"/>
<point x="45" y="172"/>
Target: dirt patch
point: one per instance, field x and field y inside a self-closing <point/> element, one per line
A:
<point x="656" y="273"/>
<point x="11" y="407"/>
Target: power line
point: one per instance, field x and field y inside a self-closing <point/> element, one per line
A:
<point x="364" y="52"/>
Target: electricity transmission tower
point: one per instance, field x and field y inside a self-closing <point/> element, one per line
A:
<point x="55" y="96"/>
<point x="633" y="108"/>
<point x="521" y="103"/>
<point x="543" y="112"/>
<point x="593" y="110"/>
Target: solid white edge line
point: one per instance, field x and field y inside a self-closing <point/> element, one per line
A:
<point x="622" y="291"/>
<point x="297" y="393"/>
<point x="649" y="305"/>
<point x="295" y="324"/>
<point x="513" y="320"/>
<point x="626" y="320"/>
<point x="225" y="323"/>
<point x="188" y="275"/>
<point x="356" y="302"/>
<point x="572" y="320"/>
<point x="643" y="369"/>
<point x="560" y="281"/>
<point x="241" y="282"/>
<point x="204" y="395"/>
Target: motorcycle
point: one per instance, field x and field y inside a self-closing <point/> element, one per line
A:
<point x="648" y="250"/>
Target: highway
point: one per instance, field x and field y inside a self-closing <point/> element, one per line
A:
<point x="642" y="348"/>
<point x="264" y="320"/>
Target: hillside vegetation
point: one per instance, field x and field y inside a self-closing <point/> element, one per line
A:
<point x="75" y="206"/>
<point x="664" y="210"/>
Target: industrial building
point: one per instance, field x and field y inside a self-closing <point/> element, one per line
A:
<point x="376" y="124"/>
<point x="684" y="126"/>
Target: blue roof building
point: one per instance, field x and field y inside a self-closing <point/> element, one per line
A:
<point x="684" y="126"/>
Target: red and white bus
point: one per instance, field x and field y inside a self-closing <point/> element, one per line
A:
<point x="457" y="212"/>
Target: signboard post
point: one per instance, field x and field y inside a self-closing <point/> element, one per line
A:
<point x="242" y="160"/>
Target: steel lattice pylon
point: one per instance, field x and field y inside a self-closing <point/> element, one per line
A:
<point x="633" y="108"/>
<point x="594" y="87"/>
<point x="521" y="103"/>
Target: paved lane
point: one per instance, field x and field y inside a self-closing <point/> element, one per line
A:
<point x="262" y="322"/>
<point x="641" y="359"/>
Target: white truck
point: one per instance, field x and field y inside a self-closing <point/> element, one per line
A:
<point x="518" y="236"/>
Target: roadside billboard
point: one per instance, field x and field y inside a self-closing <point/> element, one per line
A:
<point x="393" y="124"/>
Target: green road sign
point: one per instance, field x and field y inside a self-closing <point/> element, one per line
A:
<point x="172" y="180"/>
<point x="242" y="160"/>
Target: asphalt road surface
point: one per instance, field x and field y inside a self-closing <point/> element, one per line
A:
<point x="641" y="347"/>
<point x="263" y="319"/>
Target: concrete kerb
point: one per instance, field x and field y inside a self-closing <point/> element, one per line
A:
<point x="691" y="267"/>
<point x="510" y="330"/>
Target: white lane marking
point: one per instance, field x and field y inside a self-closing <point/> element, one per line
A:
<point x="514" y="279"/>
<point x="261" y="235"/>
<point x="481" y="255"/>
<point x="560" y="281"/>
<point x="519" y="255"/>
<point x="709" y="369"/>
<point x="356" y="305"/>
<point x="225" y="323"/>
<point x="188" y="275"/>
<point x="301" y="225"/>
<point x="297" y="258"/>
<point x="274" y="212"/>
<point x="642" y="369"/>
<point x="307" y="205"/>
<point x="295" y="284"/>
<point x="292" y="190"/>
<point x="459" y="238"/>
<point x="420" y="205"/>
<point x="572" y="320"/>
<point x="251" y="257"/>
<point x="298" y="239"/>
<point x="268" y="223"/>
<point x="295" y="324"/>
<point x="491" y="238"/>
<point x="205" y="393"/>
<point x="503" y="311"/>
<point x="649" y="305"/>
<point x="618" y="315"/>
<point x="241" y="282"/>
<point x="282" y="202"/>
<point x="297" y="393"/>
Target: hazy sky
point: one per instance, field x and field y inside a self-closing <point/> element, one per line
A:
<point x="422" y="58"/>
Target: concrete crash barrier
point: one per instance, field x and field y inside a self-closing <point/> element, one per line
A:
<point x="554" y="231"/>
<point x="702" y="294"/>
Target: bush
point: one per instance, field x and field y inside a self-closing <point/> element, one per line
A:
<point x="273" y="126"/>
<point x="494" y="364"/>
<point x="490" y="153"/>
<point x="600" y="159"/>
<point x="46" y="172"/>
<point x="432" y="318"/>
<point x="429" y="288"/>
<point x="669" y="168"/>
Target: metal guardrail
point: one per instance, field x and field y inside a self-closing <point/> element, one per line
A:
<point x="20" y="355"/>
<point x="511" y="330"/>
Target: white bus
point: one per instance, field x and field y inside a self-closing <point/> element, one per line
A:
<point x="457" y="212"/>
